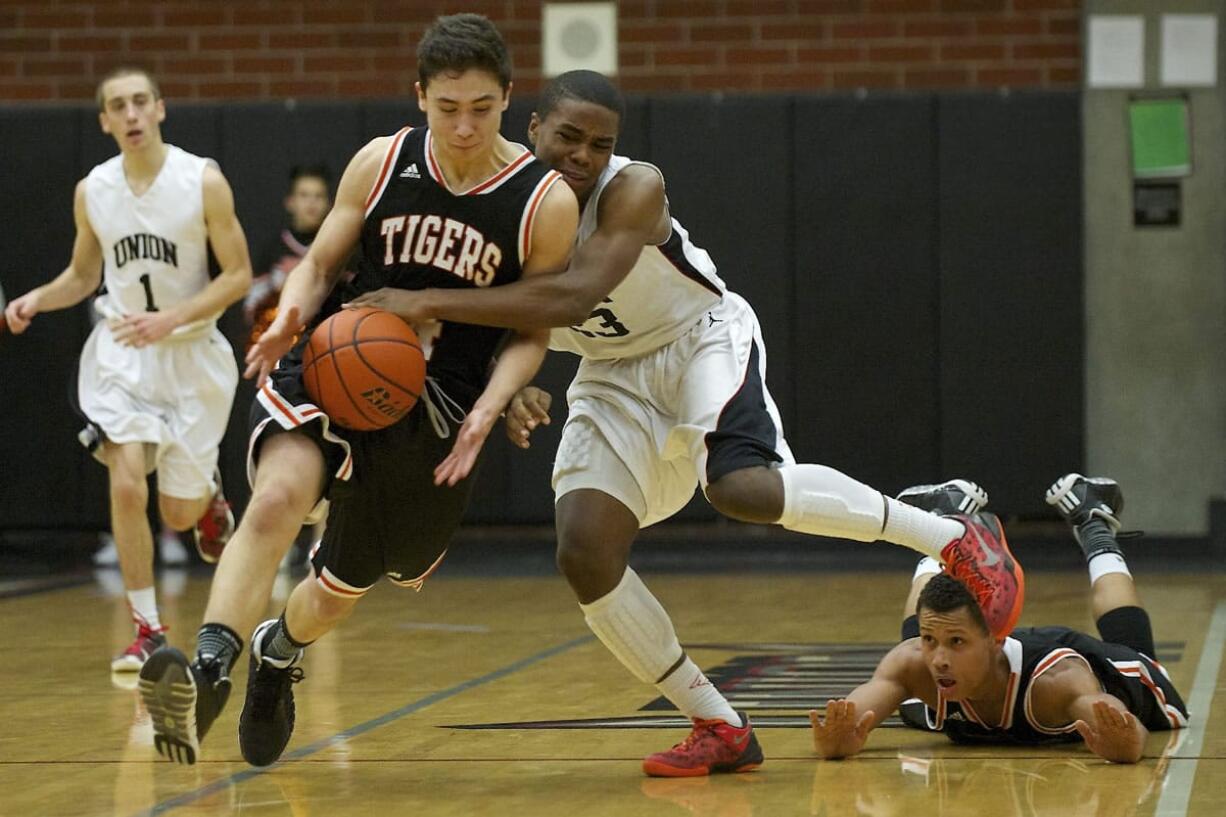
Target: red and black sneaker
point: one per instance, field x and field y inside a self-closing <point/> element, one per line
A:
<point x="713" y="746"/>
<point x="216" y="527"/>
<point x="148" y="640"/>
<point x="981" y="560"/>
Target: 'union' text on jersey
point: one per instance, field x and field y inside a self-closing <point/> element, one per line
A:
<point x="445" y="243"/>
<point x="144" y="245"/>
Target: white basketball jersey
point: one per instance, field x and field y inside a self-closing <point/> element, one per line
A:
<point x="671" y="286"/>
<point x="154" y="246"/>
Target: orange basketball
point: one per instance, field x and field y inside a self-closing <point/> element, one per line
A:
<point x="364" y="368"/>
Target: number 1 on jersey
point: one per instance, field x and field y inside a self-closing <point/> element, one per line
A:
<point x="145" y="281"/>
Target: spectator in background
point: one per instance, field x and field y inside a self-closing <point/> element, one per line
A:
<point x="307" y="203"/>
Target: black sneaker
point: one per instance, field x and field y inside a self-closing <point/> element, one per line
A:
<point x="946" y="498"/>
<point x="1080" y="499"/>
<point x="183" y="701"/>
<point x="267" y="720"/>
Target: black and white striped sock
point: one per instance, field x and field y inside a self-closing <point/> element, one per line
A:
<point x="217" y="642"/>
<point x="1096" y="538"/>
<point x="279" y="645"/>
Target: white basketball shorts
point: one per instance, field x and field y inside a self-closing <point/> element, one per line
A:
<point x="648" y="430"/>
<point x="174" y="396"/>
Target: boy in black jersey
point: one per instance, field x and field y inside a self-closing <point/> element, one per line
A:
<point x="1041" y="684"/>
<point x="452" y="204"/>
<point x="306" y="204"/>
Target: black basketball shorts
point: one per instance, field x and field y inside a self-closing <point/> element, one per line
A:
<point x="385" y="515"/>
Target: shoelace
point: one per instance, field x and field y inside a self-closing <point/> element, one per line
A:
<point x="266" y="695"/>
<point x="144" y="631"/>
<point x="699" y="731"/>
<point x="210" y="668"/>
<point x="144" y="635"/>
<point x="981" y="590"/>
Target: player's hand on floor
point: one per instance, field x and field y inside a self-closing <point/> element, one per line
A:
<point x="408" y="305"/>
<point x="459" y="463"/>
<point x="20" y="311"/>
<point x="1115" y="735"/>
<point x="841" y="734"/>
<point x="277" y="339"/>
<point x="143" y="328"/>
<point x="529" y="408"/>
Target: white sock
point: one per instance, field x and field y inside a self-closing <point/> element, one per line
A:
<point x="927" y="566"/>
<point x="824" y="502"/>
<point x="144" y="607"/>
<point x="633" y="625"/>
<point x="921" y="531"/>
<point x="695" y="696"/>
<point x="1106" y="563"/>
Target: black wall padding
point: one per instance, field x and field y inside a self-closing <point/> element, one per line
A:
<point x="1012" y="327"/>
<point x="915" y="262"/>
<point x="261" y="142"/>
<point x="48" y="478"/>
<point x="865" y="311"/>
<point x="383" y="117"/>
<point x="725" y="166"/>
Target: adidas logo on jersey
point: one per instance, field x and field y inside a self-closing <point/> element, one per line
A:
<point x="411" y="172"/>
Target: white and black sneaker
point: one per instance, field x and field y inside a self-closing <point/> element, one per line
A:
<point x="1080" y="499"/>
<point x="183" y="700"/>
<point x="267" y="721"/>
<point x="946" y="498"/>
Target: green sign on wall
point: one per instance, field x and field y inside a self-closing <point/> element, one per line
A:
<point x="1161" y="147"/>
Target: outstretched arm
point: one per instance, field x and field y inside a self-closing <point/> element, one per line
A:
<point x="849" y="720"/>
<point x="77" y="282"/>
<point x="1070" y="693"/>
<point x="1108" y="728"/>
<point x="633" y="213"/>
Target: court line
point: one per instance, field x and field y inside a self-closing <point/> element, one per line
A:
<point x="1177" y="789"/>
<point x="362" y="728"/>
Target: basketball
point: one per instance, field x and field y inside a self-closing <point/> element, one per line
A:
<point x="364" y="368"/>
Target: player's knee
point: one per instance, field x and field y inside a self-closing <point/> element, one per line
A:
<point x="328" y="608"/>
<point x="576" y="557"/>
<point x="273" y="503"/>
<point x="592" y="563"/>
<point x="128" y="493"/>
<point x="177" y="514"/>
<point x="748" y="495"/>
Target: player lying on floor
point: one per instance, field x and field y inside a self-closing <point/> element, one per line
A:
<point x="1041" y="684"/>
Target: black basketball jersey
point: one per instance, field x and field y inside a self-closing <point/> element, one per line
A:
<point x="419" y="234"/>
<point x="1136" y="679"/>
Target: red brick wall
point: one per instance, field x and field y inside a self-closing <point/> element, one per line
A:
<point x="205" y="49"/>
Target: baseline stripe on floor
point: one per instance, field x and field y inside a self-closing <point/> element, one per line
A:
<point x="1177" y="789"/>
<point x="362" y="728"/>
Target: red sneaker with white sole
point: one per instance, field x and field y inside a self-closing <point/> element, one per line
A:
<point x="713" y="746"/>
<point x="148" y="639"/>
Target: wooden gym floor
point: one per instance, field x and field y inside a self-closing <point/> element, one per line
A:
<point x="487" y="695"/>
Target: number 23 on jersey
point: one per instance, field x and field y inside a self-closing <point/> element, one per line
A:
<point x="602" y="323"/>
